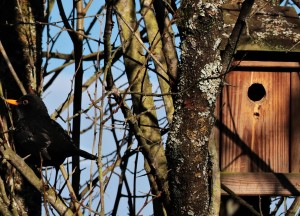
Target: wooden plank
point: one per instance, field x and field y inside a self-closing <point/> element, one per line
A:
<point x="295" y="122"/>
<point x="269" y="184"/>
<point x="255" y="135"/>
<point x="269" y="64"/>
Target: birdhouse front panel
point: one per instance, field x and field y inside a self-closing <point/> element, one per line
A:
<point x="255" y="122"/>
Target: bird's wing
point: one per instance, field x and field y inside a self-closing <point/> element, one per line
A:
<point x="31" y="137"/>
<point x="43" y="139"/>
<point x="69" y="145"/>
<point x="62" y="140"/>
<point x="45" y="154"/>
<point x="23" y="135"/>
<point x="61" y="132"/>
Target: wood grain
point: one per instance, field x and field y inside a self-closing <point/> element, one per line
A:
<point x="249" y="184"/>
<point x="269" y="64"/>
<point x="295" y="123"/>
<point x="255" y="135"/>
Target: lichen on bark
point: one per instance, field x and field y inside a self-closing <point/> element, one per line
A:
<point x="198" y="86"/>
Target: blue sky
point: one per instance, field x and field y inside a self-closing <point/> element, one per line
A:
<point x="58" y="92"/>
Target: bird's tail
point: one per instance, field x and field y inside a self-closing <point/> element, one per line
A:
<point x="86" y="155"/>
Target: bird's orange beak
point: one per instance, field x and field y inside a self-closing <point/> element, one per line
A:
<point x="12" y="102"/>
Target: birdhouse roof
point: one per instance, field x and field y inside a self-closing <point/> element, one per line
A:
<point x="269" y="28"/>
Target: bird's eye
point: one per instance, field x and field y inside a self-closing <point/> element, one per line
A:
<point x="25" y="102"/>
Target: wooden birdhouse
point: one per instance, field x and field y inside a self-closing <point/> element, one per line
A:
<point x="259" y="111"/>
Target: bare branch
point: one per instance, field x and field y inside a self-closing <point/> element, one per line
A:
<point x="235" y="35"/>
<point x="27" y="172"/>
<point x="294" y="207"/>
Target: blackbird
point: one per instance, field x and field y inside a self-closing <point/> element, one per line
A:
<point x="38" y="136"/>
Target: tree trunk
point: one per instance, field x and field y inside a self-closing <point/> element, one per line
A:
<point x="188" y="155"/>
<point x="21" y="39"/>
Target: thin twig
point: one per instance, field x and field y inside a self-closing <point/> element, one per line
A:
<point x="278" y="204"/>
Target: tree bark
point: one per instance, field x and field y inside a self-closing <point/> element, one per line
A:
<point x="189" y="160"/>
<point x="21" y="40"/>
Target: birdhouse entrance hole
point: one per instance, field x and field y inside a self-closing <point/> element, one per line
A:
<point x="259" y="120"/>
<point x="256" y="92"/>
